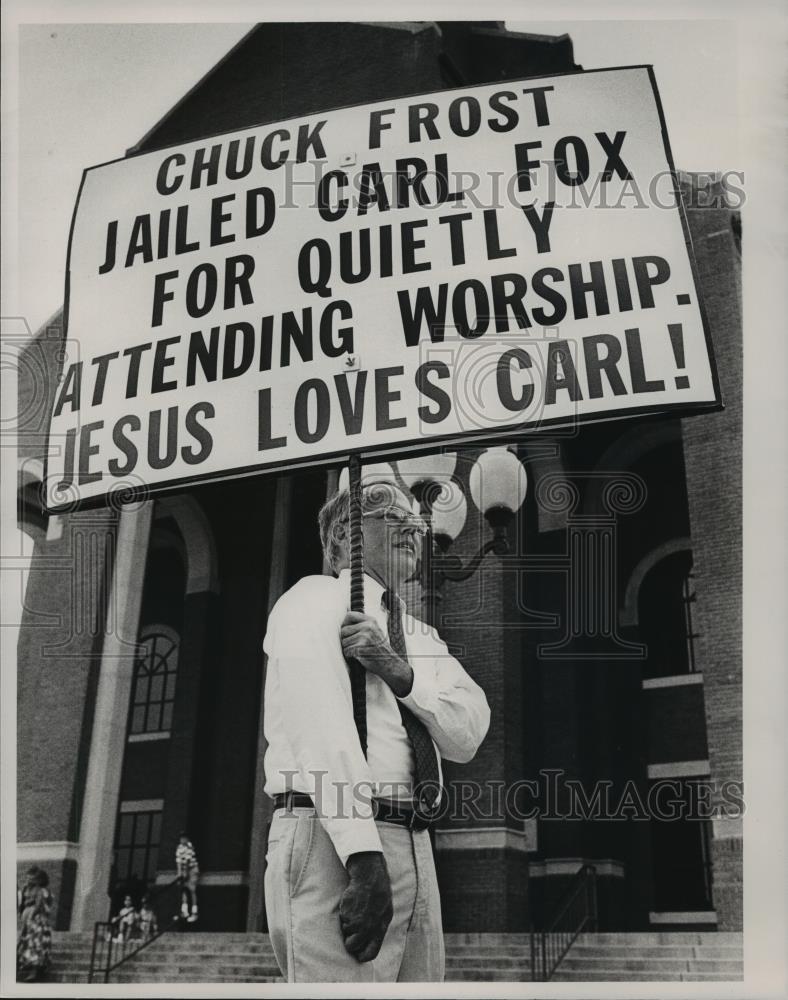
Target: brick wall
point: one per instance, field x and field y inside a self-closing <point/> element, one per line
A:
<point x="486" y="889"/>
<point x="713" y="451"/>
<point x="483" y="890"/>
<point x="60" y="642"/>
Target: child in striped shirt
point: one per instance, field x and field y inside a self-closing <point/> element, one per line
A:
<point x="188" y="873"/>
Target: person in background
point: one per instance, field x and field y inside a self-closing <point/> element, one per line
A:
<point x="147" y="924"/>
<point x="126" y="920"/>
<point x="34" y="941"/>
<point x="188" y="873"/>
<point x="132" y="885"/>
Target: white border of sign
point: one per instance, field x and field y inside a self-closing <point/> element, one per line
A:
<point x="126" y="493"/>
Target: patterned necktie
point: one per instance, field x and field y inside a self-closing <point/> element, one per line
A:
<point x="426" y="780"/>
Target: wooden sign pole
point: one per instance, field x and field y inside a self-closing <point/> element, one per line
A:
<point x="358" y="675"/>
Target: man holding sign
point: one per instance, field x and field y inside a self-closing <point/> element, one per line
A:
<point x="350" y="885"/>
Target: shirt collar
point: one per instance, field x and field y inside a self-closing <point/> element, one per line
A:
<point x="373" y="590"/>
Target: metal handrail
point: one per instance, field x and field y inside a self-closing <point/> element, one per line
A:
<point x="109" y="950"/>
<point x="577" y="912"/>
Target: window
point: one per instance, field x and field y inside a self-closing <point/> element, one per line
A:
<point x="688" y="598"/>
<point x="680" y="846"/>
<point x="137" y="844"/>
<point x="666" y="598"/>
<point x="155" y="674"/>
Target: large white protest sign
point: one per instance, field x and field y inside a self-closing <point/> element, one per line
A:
<point x="459" y="265"/>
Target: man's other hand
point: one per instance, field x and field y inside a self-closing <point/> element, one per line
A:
<point x="365" y="909"/>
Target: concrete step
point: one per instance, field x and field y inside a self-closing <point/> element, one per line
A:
<point x="162" y="944"/>
<point x="218" y="937"/>
<point x="572" y="961"/>
<point x="666" y="951"/>
<point x="673" y="951"/>
<point x="240" y="980"/>
<point x="518" y="954"/>
<point x="639" y="938"/>
<point x="485" y="974"/>
<point x="207" y="957"/>
<point x="230" y="954"/>
<point x="471" y="961"/>
<point x="166" y="971"/>
<point x="492" y="939"/>
<point x="481" y="958"/>
<point x="614" y="976"/>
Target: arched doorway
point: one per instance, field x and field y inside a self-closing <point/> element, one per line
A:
<point x="219" y="556"/>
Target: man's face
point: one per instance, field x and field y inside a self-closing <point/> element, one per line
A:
<point x="392" y="535"/>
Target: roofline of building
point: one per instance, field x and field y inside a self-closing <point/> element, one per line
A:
<point x="56" y="319"/>
<point x="182" y="100"/>
<point x="414" y="27"/>
<point x="530" y="35"/>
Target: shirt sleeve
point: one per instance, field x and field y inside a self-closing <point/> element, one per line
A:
<point x="449" y="702"/>
<point x="313" y="689"/>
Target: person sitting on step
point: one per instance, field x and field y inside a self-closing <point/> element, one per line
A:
<point x="148" y="926"/>
<point x="126" y="921"/>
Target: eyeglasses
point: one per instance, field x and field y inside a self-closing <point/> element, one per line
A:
<point x="399" y="518"/>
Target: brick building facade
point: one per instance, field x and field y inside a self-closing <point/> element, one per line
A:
<point x="140" y="663"/>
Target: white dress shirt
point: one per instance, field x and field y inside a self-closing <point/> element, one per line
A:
<point x="313" y="745"/>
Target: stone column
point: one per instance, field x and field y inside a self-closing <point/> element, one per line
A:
<point x="107" y="743"/>
<point x="262" y="808"/>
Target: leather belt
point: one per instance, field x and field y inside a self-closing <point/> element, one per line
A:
<point x="386" y="811"/>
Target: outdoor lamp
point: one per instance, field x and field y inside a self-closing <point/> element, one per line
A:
<point x="418" y="472"/>
<point x="498" y="485"/>
<point x="449" y="510"/>
<point x="369" y="473"/>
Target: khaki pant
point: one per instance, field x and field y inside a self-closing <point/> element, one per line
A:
<point x="304" y="881"/>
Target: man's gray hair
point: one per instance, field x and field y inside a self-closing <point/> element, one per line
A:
<point x="333" y="521"/>
<point x="334" y="517"/>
